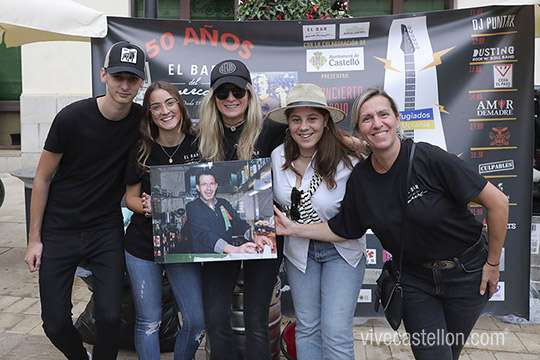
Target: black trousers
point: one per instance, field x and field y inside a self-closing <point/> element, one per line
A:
<point x="219" y="280"/>
<point x="62" y="252"/>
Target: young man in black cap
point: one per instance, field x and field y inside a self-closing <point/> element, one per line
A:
<point x="75" y="210"/>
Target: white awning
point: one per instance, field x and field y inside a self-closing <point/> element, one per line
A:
<point x="27" y="21"/>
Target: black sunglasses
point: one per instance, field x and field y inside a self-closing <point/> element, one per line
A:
<point x="296" y="195"/>
<point x="222" y="92"/>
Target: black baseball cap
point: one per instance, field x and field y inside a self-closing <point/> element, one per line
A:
<point x="230" y="71"/>
<point x="125" y="57"/>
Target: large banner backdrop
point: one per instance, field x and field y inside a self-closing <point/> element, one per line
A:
<point x="462" y="78"/>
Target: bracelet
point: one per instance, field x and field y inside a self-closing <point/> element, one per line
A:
<point x="148" y="215"/>
<point x="494" y="265"/>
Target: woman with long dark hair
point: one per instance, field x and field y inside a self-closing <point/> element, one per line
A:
<point x="167" y="137"/>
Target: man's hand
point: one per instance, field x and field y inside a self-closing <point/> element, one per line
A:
<point x="33" y="255"/>
<point x="247" y="248"/>
<point x="262" y="240"/>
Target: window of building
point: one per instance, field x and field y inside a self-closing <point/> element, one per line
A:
<point x="410" y="6"/>
<point x="212" y="10"/>
<point x="10" y="73"/>
<point x="370" y="8"/>
<point x="200" y="9"/>
<point x="387" y="7"/>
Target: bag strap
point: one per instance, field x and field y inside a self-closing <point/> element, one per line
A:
<point x="403" y="231"/>
<point x="316" y="180"/>
<point x="307" y="214"/>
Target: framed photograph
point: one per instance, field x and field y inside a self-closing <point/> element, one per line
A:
<point x="213" y="211"/>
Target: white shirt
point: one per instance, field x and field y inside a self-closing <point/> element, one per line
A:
<point x="326" y="203"/>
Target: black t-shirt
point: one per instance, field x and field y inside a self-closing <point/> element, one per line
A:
<point x="271" y="137"/>
<point x="87" y="188"/>
<point x="138" y="238"/>
<point x="439" y="226"/>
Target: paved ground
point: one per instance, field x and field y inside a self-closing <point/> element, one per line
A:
<point x="21" y="335"/>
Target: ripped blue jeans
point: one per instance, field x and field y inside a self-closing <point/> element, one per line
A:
<point x="146" y="281"/>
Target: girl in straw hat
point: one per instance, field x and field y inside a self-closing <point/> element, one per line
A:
<point x="310" y="172"/>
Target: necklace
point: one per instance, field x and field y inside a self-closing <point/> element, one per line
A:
<point x="166" y="153"/>
<point x="379" y="164"/>
<point x="304" y="156"/>
<point x="235" y="126"/>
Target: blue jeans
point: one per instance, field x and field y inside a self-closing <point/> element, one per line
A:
<point x="146" y="283"/>
<point x="62" y="252"/>
<point x="442" y="306"/>
<point x="324" y="299"/>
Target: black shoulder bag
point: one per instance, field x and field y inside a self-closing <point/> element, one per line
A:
<point x="389" y="291"/>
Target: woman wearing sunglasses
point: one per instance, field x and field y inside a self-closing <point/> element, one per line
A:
<point x="167" y="137"/>
<point x="310" y="172"/>
<point x="231" y="127"/>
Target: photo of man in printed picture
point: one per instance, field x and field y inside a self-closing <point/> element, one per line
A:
<point x="213" y="211"/>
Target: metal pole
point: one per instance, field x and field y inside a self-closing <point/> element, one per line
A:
<point x="397" y="6"/>
<point x="185" y="10"/>
<point x="150" y="9"/>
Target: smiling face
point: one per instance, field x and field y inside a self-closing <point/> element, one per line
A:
<point x="207" y="187"/>
<point x="169" y="117"/>
<point x="306" y="126"/>
<point x="232" y="109"/>
<point x="378" y="124"/>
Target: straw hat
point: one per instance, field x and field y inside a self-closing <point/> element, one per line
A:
<point x="306" y="95"/>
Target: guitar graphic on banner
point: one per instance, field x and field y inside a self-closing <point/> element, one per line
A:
<point x="408" y="48"/>
<point x="411" y="79"/>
